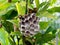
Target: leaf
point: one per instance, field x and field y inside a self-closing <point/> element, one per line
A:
<point x="37" y="3"/>
<point x="11" y="41"/>
<point x="15" y="22"/>
<point x="52" y="2"/>
<point x="59" y="33"/>
<point x="31" y="6"/>
<point x="21" y="42"/>
<point x="43" y="25"/>
<point x="54" y="9"/>
<point x="2" y="0"/>
<point x="7" y="10"/>
<point x="8" y="26"/>
<point x="4" y="37"/>
<point x="42" y="4"/>
<point x="9" y="15"/>
<point x="46" y="14"/>
<point x="56" y="24"/>
<point x="5" y="5"/>
<point x="14" y="1"/>
<point x="50" y="29"/>
<point x="17" y="33"/>
<point x="20" y="8"/>
<point x="43" y="38"/>
<point x="44" y="7"/>
<point x="59" y="42"/>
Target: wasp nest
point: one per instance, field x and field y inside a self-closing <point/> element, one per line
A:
<point x="29" y="24"/>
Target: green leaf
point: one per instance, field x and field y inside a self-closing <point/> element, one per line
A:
<point x="17" y="33"/>
<point x="4" y="37"/>
<point x="14" y="1"/>
<point x="42" y="4"/>
<point x="54" y="9"/>
<point x="43" y="38"/>
<point x="43" y="25"/>
<point x="59" y="42"/>
<point x="5" y="5"/>
<point x="37" y="3"/>
<point x="9" y="9"/>
<point x="31" y="6"/>
<point x="9" y="15"/>
<point x="21" y="42"/>
<point x="46" y="14"/>
<point x="8" y="26"/>
<point x="59" y="33"/>
<point x="52" y="2"/>
<point x="56" y="24"/>
<point x="15" y="22"/>
<point x="11" y="42"/>
<point x="44" y="7"/>
<point x="2" y="0"/>
<point x="50" y="29"/>
<point x="20" y="8"/>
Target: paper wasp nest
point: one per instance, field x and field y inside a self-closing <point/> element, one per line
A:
<point x="29" y="24"/>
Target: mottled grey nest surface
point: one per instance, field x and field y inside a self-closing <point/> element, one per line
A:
<point x="29" y="24"/>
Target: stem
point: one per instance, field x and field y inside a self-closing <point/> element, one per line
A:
<point x="18" y="39"/>
<point x="9" y="1"/>
<point x="23" y="39"/>
<point x="13" y="39"/>
<point x="26" y="6"/>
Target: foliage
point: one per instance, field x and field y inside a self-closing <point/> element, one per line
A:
<point x="9" y="13"/>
